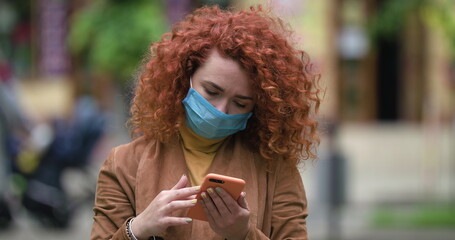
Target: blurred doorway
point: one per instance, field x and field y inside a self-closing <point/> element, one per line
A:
<point x="382" y="55"/>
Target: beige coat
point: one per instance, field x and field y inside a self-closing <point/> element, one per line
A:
<point x="135" y="173"/>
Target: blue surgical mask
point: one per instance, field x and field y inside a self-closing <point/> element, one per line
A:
<point x="207" y="121"/>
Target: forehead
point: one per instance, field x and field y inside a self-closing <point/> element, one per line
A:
<point x="217" y="63"/>
<point x="223" y="71"/>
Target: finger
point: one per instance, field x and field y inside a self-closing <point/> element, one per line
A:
<point x="191" y="197"/>
<point x="230" y="203"/>
<point x="219" y="203"/>
<point x="208" y="213"/>
<point x="227" y="198"/>
<point x="179" y="204"/>
<point x="181" y="183"/>
<point x="176" y="221"/>
<point x="207" y="203"/>
<point x="242" y="201"/>
<point x="183" y="193"/>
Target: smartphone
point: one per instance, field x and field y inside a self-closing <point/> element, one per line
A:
<point x="233" y="186"/>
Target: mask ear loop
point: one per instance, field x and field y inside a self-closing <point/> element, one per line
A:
<point x="191" y="82"/>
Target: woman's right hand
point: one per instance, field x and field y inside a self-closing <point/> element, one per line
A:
<point x="158" y="215"/>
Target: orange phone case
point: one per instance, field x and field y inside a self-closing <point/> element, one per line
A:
<point x="233" y="186"/>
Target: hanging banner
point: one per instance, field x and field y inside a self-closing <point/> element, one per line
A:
<point x="53" y="55"/>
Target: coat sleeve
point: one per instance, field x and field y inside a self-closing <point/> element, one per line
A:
<point x="289" y="207"/>
<point x="113" y="201"/>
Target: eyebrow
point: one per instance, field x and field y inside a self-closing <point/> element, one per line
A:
<point x="222" y="90"/>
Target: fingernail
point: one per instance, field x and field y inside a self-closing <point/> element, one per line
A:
<point x="197" y="188"/>
<point x="188" y="220"/>
<point x="218" y="189"/>
<point x="204" y="195"/>
<point x="194" y="201"/>
<point x="210" y="190"/>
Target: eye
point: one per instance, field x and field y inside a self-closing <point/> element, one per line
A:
<point x="211" y="93"/>
<point x="240" y="105"/>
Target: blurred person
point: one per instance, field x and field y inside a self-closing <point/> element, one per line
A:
<point x="12" y="122"/>
<point x="39" y="153"/>
<point x="224" y="92"/>
<point x="70" y="145"/>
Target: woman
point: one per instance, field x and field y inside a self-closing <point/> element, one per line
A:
<point x="224" y="92"/>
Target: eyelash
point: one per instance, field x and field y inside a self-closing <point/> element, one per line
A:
<point x="240" y="105"/>
<point x="211" y="93"/>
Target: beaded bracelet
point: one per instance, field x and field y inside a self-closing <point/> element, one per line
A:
<point x="128" y="230"/>
<point x="130" y="233"/>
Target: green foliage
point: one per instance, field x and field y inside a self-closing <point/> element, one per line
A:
<point x="113" y="36"/>
<point x="391" y="18"/>
<point x="418" y="216"/>
<point x="441" y="15"/>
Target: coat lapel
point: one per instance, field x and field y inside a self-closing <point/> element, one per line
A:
<point x="234" y="160"/>
<point x="160" y="169"/>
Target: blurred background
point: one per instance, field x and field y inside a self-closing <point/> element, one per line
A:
<point x="386" y="167"/>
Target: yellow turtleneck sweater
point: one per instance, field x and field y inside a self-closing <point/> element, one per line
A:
<point x="199" y="153"/>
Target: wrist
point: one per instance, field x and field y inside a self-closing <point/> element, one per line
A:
<point x="136" y="233"/>
<point x="245" y="233"/>
<point x="241" y="236"/>
<point x="136" y="229"/>
<point x="129" y="232"/>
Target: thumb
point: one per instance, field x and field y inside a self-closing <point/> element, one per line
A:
<point x="181" y="183"/>
<point x="242" y="201"/>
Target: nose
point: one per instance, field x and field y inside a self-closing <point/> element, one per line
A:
<point x="222" y="106"/>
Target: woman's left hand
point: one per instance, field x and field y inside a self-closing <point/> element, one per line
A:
<point x="227" y="217"/>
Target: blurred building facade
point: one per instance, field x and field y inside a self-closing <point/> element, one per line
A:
<point x="402" y="77"/>
<point x="388" y="70"/>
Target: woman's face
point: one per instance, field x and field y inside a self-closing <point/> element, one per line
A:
<point x="224" y="84"/>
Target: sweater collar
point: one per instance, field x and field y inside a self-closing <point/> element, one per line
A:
<point x="193" y="141"/>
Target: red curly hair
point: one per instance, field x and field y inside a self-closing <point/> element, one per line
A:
<point x="286" y="91"/>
